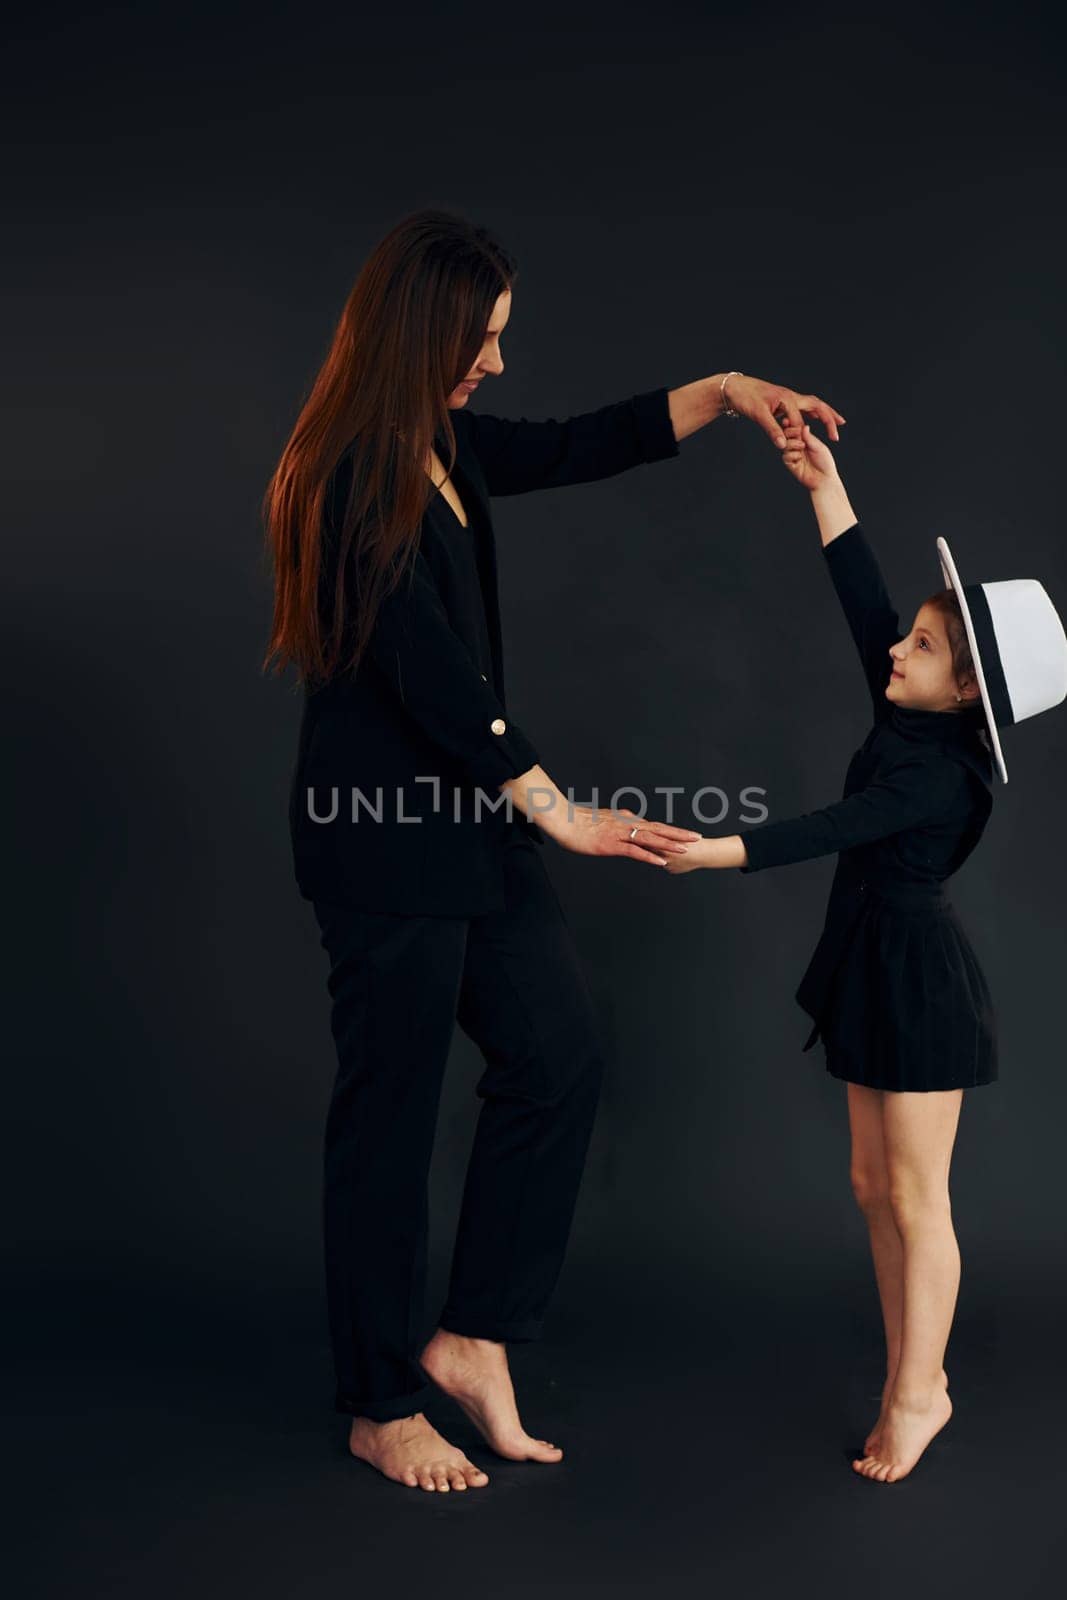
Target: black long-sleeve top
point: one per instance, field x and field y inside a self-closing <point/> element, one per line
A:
<point x="918" y="792"/>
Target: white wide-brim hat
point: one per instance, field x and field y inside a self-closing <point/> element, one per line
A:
<point x="1018" y="645"/>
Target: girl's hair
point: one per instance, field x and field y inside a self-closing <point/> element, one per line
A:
<point x="946" y="603"/>
<point x="409" y="332"/>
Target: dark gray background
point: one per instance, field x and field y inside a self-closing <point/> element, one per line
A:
<point x="866" y="205"/>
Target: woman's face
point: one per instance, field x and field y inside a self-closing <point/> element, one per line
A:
<point x="488" y="358"/>
<point x="922" y="676"/>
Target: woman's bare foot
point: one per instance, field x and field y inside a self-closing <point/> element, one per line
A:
<point x="870" y="1444"/>
<point x="475" y="1373"/>
<point x="411" y="1451"/>
<point x="906" y="1432"/>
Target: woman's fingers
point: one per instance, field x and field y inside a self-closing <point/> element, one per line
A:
<point x="661" y="836"/>
<point x="652" y="841"/>
<point x="668" y="830"/>
<point x="647" y="837"/>
<point x="783" y="411"/>
<point x="825" y="413"/>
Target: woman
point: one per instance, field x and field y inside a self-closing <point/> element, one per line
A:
<point x="432" y="898"/>
<point x="894" y="986"/>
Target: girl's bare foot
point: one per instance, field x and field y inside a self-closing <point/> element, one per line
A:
<point x="870" y="1444"/>
<point x="906" y="1432"/>
<point x="475" y="1373"/>
<point x="411" y="1451"/>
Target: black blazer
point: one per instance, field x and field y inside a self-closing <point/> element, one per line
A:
<point x="917" y="793"/>
<point x="424" y="725"/>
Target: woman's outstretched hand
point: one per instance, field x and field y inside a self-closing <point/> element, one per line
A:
<point x="762" y="402"/>
<point x="594" y="831"/>
<point x="607" y="833"/>
<point x="807" y="458"/>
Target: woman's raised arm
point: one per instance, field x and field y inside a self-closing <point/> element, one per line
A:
<point x="517" y="454"/>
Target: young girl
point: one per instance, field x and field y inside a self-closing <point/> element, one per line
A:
<point x="894" y="987"/>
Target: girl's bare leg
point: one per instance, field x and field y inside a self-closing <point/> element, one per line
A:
<point x="919" y="1130"/>
<point x="870" y="1185"/>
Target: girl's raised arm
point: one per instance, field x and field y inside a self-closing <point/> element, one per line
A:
<point x="869" y="612"/>
<point x="854" y="570"/>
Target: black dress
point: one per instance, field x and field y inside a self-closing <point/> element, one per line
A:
<point x="894" y="986"/>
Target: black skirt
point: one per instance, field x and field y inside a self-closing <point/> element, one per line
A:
<point x="909" y="1007"/>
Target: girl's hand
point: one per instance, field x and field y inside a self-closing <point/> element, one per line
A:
<point x="721" y="850"/>
<point x="676" y="865"/>
<point x="809" y="460"/>
<point x="697" y="855"/>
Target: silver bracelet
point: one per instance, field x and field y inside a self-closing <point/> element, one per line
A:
<point x="727" y="408"/>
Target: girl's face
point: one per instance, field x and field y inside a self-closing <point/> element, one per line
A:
<point x="922" y="677"/>
<point x="488" y="359"/>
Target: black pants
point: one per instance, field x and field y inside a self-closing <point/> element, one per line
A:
<point x="513" y="981"/>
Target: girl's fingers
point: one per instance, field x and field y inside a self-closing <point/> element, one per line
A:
<point x="678" y="869"/>
<point x="641" y="855"/>
<point x="790" y="406"/>
<point x="768" y="422"/>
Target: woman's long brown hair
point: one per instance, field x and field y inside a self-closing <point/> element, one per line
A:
<point x="409" y="332"/>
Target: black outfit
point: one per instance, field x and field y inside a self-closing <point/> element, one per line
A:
<point x="894" y="986"/>
<point x="452" y="917"/>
